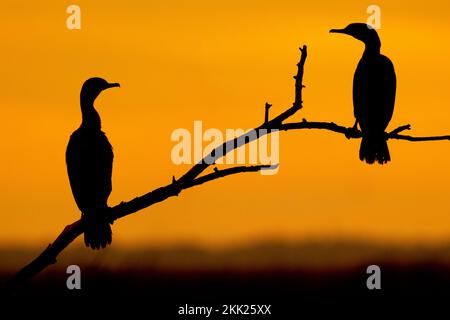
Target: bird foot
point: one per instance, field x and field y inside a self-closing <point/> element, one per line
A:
<point x="352" y="132"/>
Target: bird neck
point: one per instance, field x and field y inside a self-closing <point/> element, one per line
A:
<point x="371" y="50"/>
<point x="373" y="45"/>
<point x="91" y="118"/>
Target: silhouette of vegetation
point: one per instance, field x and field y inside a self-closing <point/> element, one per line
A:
<point x="193" y="176"/>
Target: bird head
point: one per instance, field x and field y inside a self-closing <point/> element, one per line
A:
<point x="362" y="32"/>
<point x="93" y="87"/>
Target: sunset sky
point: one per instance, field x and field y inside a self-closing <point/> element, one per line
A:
<point x="219" y="62"/>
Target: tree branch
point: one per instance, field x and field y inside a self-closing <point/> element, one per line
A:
<point x="189" y="179"/>
<point x="72" y="231"/>
<point x="192" y="177"/>
<point x="352" y="133"/>
<point x="271" y="124"/>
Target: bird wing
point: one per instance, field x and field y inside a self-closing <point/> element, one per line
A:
<point x="374" y="89"/>
<point x="89" y="159"/>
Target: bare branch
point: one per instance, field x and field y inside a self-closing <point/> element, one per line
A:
<point x="299" y="79"/>
<point x="266" y="113"/>
<point x="400" y="129"/>
<point x="353" y="133"/>
<point x="330" y="126"/>
<point x="226" y="172"/>
<point x="271" y="124"/>
<point x="71" y="232"/>
<point x="192" y="177"/>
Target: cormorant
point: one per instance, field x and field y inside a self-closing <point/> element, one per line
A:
<point x="89" y="159"/>
<point x="374" y="86"/>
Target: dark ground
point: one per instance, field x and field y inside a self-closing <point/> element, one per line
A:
<point x="288" y="279"/>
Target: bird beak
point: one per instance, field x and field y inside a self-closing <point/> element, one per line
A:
<point x="338" y="31"/>
<point x="112" y="85"/>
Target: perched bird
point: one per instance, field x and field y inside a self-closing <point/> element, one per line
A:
<point x="89" y="159"/>
<point x="374" y="86"/>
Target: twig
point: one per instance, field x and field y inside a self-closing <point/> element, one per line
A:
<point x="400" y="129"/>
<point x="299" y="79"/>
<point x="354" y="133"/>
<point x="266" y="113"/>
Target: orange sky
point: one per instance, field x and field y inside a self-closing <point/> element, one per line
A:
<point x="219" y="62"/>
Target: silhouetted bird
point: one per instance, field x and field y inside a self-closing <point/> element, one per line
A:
<point x="89" y="159"/>
<point x="374" y="86"/>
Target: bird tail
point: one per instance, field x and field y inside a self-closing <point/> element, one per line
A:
<point x="374" y="148"/>
<point x="97" y="231"/>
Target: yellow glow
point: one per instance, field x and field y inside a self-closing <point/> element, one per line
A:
<point x="180" y="61"/>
